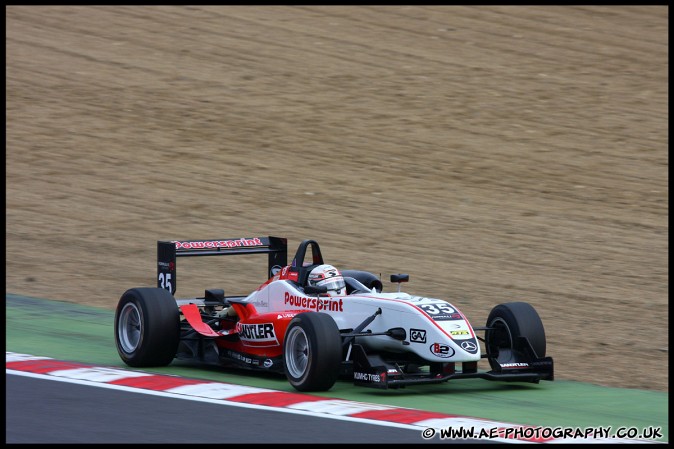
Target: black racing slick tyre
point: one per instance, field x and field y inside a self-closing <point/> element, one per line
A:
<point x="512" y="320"/>
<point x="312" y="352"/>
<point x="147" y="327"/>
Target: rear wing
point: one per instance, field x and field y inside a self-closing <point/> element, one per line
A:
<point x="169" y="250"/>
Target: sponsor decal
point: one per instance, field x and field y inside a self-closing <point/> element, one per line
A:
<point x="219" y="243"/>
<point x="366" y="377"/>
<point x="459" y="332"/>
<point x="440" y="311"/>
<point x="417" y="335"/>
<point x="287" y="273"/>
<point x="514" y="365"/>
<point x="317" y="304"/>
<point x="542" y="363"/>
<point x="469" y="346"/>
<point x="285" y="315"/>
<point x="267" y="363"/>
<point x="256" y="332"/>
<point x="240" y="357"/>
<point x="441" y="350"/>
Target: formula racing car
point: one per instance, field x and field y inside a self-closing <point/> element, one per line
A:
<point x="316" y="328"/>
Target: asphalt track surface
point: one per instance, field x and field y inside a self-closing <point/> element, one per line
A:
<point x="48" y="412"/>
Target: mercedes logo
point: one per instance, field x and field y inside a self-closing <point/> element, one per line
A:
<point x="469" y="346"/>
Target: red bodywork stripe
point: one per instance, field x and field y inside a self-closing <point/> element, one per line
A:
<point x="470" y="327"/>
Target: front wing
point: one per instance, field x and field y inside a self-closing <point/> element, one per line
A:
<point x="371" y="370"/>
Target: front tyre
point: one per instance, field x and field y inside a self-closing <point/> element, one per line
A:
<point x="312" y="352"/>
<point x="147" y="327"/>
<point x="509" y="321"/>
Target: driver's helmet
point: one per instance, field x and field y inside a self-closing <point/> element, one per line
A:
<point x="330" y="277"/>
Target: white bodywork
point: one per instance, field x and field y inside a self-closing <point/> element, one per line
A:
<point x="436" y="330"/>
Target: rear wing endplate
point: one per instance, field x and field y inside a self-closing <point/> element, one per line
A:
<point x="169" y="250"/>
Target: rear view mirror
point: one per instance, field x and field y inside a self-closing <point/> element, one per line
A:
<point x="397" y="332"/>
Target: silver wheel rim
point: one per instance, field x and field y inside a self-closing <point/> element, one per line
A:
<point x="128" y="328"/>
<point x="297" y="355"/>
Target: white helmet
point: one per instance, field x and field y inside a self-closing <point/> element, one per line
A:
<point x="329" y="276"/>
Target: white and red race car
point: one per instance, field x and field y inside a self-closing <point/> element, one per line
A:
<point x="376" y="339"/>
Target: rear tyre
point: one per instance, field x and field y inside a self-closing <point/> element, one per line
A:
<point x="512" y="320"/>
<point x="147" y="327"/>
<point x="312" y="352"/>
